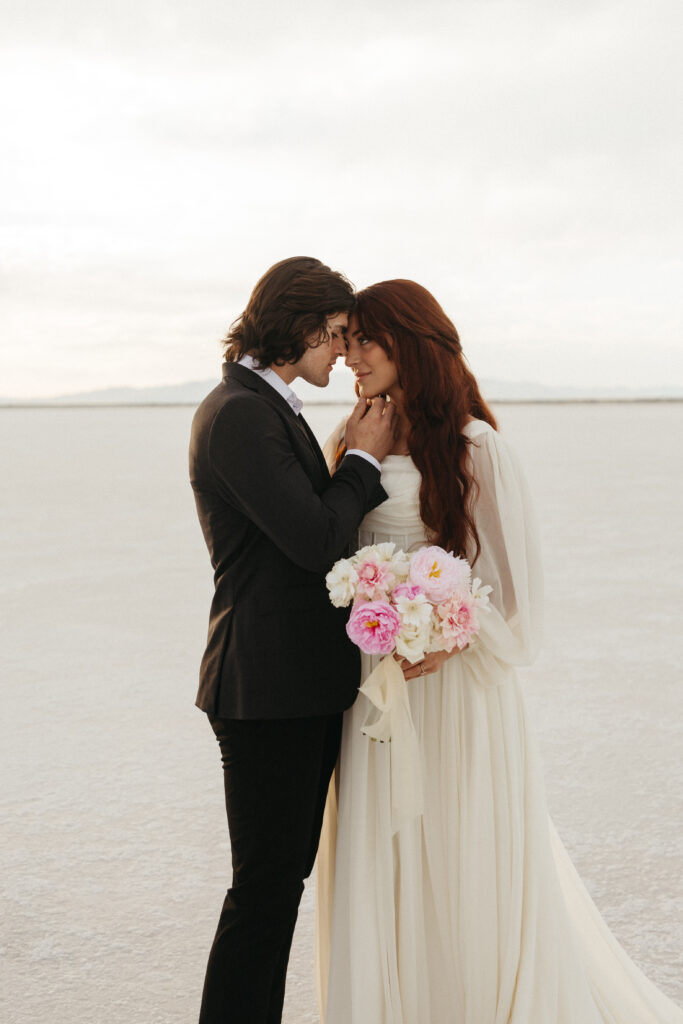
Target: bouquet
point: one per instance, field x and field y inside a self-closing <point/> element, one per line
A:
<point x="408" y="604"/>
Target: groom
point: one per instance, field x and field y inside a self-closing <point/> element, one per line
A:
<point x="278" y="670"/>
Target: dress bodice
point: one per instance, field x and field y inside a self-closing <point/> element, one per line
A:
<point x="398" y="518"/>
<point x="400" y="513"/>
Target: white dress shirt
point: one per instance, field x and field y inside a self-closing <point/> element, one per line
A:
<point x="276" y="381"/>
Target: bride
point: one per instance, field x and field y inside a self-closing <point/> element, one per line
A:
<point x="469" y="912"/>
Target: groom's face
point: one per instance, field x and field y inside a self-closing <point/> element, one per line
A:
<point x="317" y="361"/>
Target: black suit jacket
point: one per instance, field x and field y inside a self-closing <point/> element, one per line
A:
<point x="274" y="522"/>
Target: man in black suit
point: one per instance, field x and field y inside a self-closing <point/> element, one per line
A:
<point x="278" y="670"/>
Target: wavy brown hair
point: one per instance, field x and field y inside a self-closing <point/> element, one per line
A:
<point x="440" y="393"/>
<point x="287" y="312"/>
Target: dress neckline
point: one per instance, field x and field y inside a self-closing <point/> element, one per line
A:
<point x="469" y="426"/>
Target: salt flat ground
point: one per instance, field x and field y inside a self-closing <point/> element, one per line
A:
<point x="114" y="856"/>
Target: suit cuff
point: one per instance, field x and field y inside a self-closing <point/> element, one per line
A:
<point x="364" y="455"/>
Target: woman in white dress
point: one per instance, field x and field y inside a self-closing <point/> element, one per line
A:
<point x="469" y="912"/>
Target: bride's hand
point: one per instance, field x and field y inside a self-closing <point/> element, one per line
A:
<point x="429" y="664"/>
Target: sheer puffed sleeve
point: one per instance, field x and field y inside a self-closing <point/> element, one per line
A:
<point x="330" y="446"/>
<point x="509" y="560"/>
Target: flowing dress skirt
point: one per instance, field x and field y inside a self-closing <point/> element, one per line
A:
<point x="472" y="912"/>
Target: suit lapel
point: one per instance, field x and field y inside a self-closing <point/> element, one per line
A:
<point x="314" y="445"/>
<point x="251" y="380"/>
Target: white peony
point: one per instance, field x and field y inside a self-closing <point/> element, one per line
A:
<point x="341" y="582"/>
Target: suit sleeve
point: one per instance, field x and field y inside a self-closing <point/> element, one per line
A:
<point x="256" y="470"/>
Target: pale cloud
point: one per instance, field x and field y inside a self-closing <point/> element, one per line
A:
<point x="518" y="159"/>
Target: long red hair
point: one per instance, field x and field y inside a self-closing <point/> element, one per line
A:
<point x="440" y="394"/>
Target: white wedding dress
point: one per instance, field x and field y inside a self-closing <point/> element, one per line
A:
<point x="470" y="913"/>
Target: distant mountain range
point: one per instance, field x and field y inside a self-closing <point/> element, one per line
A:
<point x="340" y="390"/>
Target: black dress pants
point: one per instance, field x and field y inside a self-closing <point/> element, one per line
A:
<point x="276" y="775"/>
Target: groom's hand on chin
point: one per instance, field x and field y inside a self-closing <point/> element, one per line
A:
<point x="372" y="428"/>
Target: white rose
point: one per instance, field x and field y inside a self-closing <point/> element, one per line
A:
<point x="341" y="582"/>
<point x="400" y="566"/>
<point x="411" y="642"/>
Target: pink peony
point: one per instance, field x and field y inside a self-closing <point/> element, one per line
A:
<point x="375" y="579"/>
<point x="373" y="626"/>
<point x="458" y="620"/>
<point x="438" y="573"/>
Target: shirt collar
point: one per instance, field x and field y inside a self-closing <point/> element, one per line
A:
<point x="275" y="381"/>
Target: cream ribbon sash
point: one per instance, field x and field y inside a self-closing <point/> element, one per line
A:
<point x="387" y="691"/>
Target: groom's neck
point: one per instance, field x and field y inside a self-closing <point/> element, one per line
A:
<point x="287" y="373"/>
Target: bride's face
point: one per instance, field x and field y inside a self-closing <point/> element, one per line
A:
<point x="375" y="372"/>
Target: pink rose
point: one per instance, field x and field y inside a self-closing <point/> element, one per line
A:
<point x="373" y="626"/>
<point x="438" y="573"/>
<point x="458" y="620"/>
<point x="375" y="579"/>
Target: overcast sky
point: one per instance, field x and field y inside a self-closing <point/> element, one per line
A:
<point x="520" y="160"/>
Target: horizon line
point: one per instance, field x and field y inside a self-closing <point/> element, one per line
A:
<point x="584" y="400"/>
